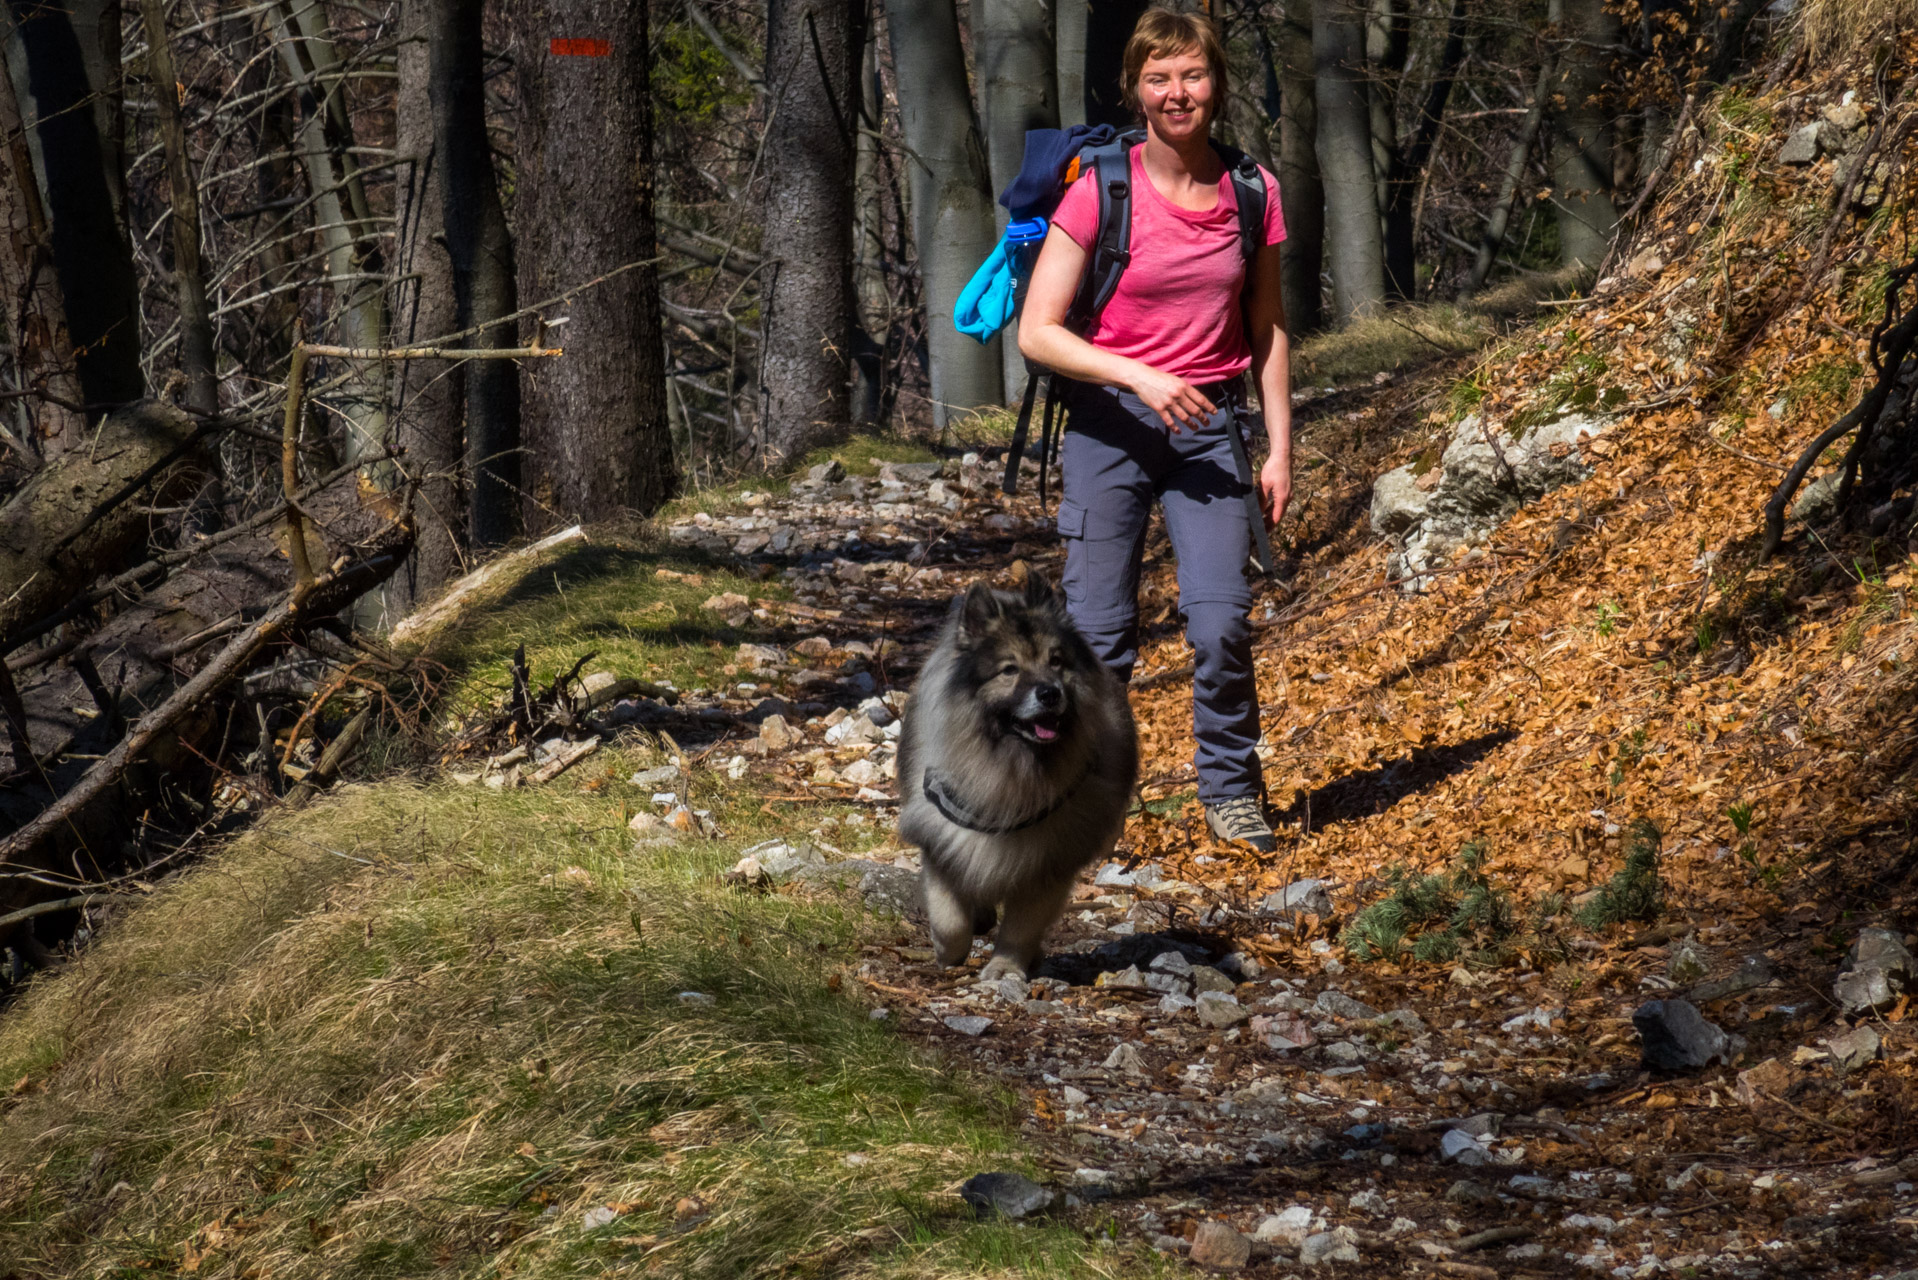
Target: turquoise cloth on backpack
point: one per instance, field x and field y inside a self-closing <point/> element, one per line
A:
<point x="985" y="304"/>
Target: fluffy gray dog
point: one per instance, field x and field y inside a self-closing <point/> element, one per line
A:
<point x="1016" y="765"/>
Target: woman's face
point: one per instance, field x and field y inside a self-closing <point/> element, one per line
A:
<point x="1176" y="93"/>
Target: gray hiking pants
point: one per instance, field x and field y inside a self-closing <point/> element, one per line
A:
<point x="1119" y="457"/>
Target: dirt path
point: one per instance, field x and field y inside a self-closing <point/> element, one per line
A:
<point x="1191" y="1053"/>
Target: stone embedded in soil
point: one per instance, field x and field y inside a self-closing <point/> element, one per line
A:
<point x="1759" y="1085"/>
<point x="1471" y="1195"/>
<point x="1483" y="1124"/>
<point x="664" y="775"/>
<point x="1689" y="963"/>
<point x="969" y="1025"/>
<point x="1205" y="978"/>
<point x="1307" y="897"/>
<point x="1172" y="962"/>
<point x="891" y="889"/>
<point x="1753" y="971"/>
<point x="1880" y="968"/>
<point x="1340" y="1005"/>
<point x="1460" y="1147"/>
<point x="1217" y="1245"/>
<point x="775" y="734"/>
<point x="1855" y="1049"/>
<point x="1127" y="979"/>
<point x="1801" y="147"/>
<point x="1337" y="1245"/>
<point x="1006" y="1195"/>
<point x="1290" y="1226"/>
<point x="1345" y="1053"/>
<point x="1675" y="1036"/>
<point x="1218" y="1009"/>
<point x="1126" y="1058"/>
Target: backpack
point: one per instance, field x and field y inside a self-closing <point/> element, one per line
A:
<point x="1035" y="194"/>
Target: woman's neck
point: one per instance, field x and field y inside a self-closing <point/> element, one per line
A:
<point x="1192" y="159"/>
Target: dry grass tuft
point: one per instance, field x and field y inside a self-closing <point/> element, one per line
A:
<point x="425" y="1029"/>
<point x="1845" y="26"/>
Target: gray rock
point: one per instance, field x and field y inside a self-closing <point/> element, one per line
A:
<point x="1819" y="499"/>
<point x="1398" y="502"/>
<point x="891" y="889"/>
<point x="909" y="472"/>
<point x="1340" y="1005"/>
<point x="1167" y="983"/>
<point x="1485" y="1122"/>
<point x="1205" y="978"/>
<point x="1128" y="1059"/>
<point x="1460" y="1147"/>
<point x="1753" y="971"/>
<point x="1290" y="1226"/>
<point x="1802" y="146"/>
<point x="665" y="775"/>
<point x="969" y="1025"/>
<point x="781" y="861"/>
<point x="1217" y="1245"/>
<point x="1675" y="1036"/>
<point x="1174" y="1002"/>
<point x="1689" y="962"/>
<point x="827" y="472"/>
<point x="1470" y="1195"/>
<point x="1005" y="1195"/>
<point x="1219" y="1010"/>
<point x="1405" y="1019"/>
<point x="1345" y="1053"/>
<point x="1337" y="1245"/>
<point x="1880" y="968"/>
<point x="1855" y="1049"/>
<point x="1173" y="962"/>
<point x="1126" y="979"/>
<point x="1304" y="897"/>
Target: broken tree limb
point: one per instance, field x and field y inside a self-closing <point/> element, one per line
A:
<point x="332" y="760"/>
<point x="290" y="467"/>
<point x="434" y="353"/>
<point x="506" y="569"/>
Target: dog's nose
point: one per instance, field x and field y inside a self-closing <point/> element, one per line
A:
<point x="1049" y="696"/>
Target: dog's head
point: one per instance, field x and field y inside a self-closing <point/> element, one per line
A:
<point x="1022" y="660"/>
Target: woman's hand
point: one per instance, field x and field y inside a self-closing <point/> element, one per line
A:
<point x="1275" y="486"/>
<point x="1175" y="400"/>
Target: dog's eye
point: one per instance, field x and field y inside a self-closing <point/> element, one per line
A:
<point x="1010" y="669"/>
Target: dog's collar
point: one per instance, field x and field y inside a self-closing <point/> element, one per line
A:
<point x="955" y="811"/>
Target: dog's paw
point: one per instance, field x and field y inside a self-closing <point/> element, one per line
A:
<point x="1002" y="967"/>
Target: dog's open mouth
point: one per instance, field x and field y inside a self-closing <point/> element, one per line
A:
<point x="1043" y="728"/>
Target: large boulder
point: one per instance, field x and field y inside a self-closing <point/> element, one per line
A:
<point x="1486" y="473"/>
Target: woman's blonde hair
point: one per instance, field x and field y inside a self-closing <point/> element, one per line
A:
<point x="1162" y="33"/>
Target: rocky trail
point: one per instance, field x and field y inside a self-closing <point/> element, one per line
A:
<point x="1203" y="1059"/>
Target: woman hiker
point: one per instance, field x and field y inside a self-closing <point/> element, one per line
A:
<point x="1157" y="382"/>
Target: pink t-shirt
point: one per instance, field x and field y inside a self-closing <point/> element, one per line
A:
<point x="1177" y="304"/>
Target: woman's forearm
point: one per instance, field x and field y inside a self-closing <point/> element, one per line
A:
<point x="1273" y="366"/>
<point x="1065" y="352"/>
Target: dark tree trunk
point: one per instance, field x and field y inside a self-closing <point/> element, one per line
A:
<point x="804" y="372"/>
<point x="1582" y="132"/>
<point x="1108" y="27"/>
<point x="1408" y="164"/>
<point x="1345" y="158"/>
<point x="1301" y="193"/>
<point x="594" y="422"/>
<point x="92" y="257"/>
<point x="481" y="252"/>
<point x="952" y="224"/>
<point x="35" y="315"/>
<point x="196" y="322"/>
<point x="429" y="394"/>
<point x="1069" y="53"/>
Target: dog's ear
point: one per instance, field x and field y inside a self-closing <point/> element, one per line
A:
<point x="979" y="610"/>
<point x="1039" y="593"/>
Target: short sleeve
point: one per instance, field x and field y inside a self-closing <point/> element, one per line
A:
<point x="1078" y="211"/>
<point x="1274" y="212"/>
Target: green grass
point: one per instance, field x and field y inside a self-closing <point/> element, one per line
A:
<point x="608" y="598"/>
<point x="420" y="1029"/>
<point x="424" y="1029"/>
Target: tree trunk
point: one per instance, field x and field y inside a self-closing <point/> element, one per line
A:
<point x="1408" y="166"/>
<point x="951" y="203"/>
<point x="429" y="395"/>
<point x="597" y="442"/>
<point x="1582" y="132"/>
<point x="481" y="251"/>
<point x="1388" y="42"/>
<point x="1069" y="59"/>
<point x="343" y="217"/>
<point x="196" y="322"/>
<point x="70" y="89"/>
<point x="1108" y="27"/>
<point x="35" y="315"/>
<point x="1301" y="193"/>
<point x="869" y="243"/>
<point x="1014" y="72"/>
<point x="806" y="296"/>
<point x="1515" y="163"/>
<point x="1345" y="158"/>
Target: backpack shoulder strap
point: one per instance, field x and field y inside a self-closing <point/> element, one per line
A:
<point x="1249" y="186"/>
<point x="1112" y="250"/>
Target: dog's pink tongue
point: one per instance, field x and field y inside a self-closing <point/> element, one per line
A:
<point x="1044" y="733"/>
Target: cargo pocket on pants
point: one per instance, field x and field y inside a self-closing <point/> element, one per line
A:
<point x="1072" y="531"/>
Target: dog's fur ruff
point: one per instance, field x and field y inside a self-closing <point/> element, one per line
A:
<point x="1015" y="719"/>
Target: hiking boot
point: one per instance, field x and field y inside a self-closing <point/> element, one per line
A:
<point x="1242" y="819"/>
